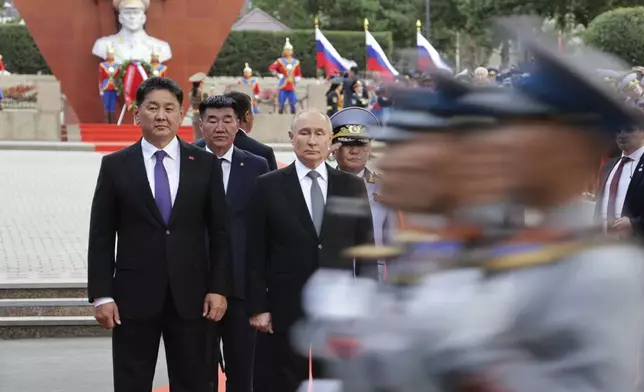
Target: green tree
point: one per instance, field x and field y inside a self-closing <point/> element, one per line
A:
<point x="620" y="32"/>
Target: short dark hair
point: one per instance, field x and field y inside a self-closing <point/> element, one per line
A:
<point x="156" y="83"/>
<point x="244" y="103"/>
<point x="218" y="102"/>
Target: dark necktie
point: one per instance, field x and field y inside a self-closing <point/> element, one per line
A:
<point x="317" y="201"/>
<point x="162" y="187"/>
<point x="612" y="190"/>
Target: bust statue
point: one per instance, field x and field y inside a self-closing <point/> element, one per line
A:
<point x="132" y="42"/>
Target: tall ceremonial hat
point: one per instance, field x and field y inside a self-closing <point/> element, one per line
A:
<point x="247" y="68"/>
<point x="353" y="126"/>
<point x="424" y="110"/>
<point x="120" y="4"/>
<point x="567" y="88"/>
<point x="287" y="44"/>
<point x="109" y="49"/>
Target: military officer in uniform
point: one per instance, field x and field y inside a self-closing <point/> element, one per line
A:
<point x="351" y="131"/>
<point x="197" y="94"/>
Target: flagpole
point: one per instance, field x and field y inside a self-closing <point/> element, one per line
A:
<point x="418" y="62"/>
<point x="366" y="58"/>
<point x="427" y="21"/>
<point x="316" y="24"/>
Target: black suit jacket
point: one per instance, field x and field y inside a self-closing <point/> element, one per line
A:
<point x="634" y="202"/>
<point x="244" y="170"/>
<point x="283" y="247"/>
<point x="152" y="256"/>
<point x="245" y="142"/>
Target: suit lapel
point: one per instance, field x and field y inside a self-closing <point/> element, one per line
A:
<point x="236" y="170"/>
<point x="185" y="179"/>
<point x="638" y="175"/>
<point x="141" y="179"/>
<point x="293" y="191"/>
<point x="331" y="191"/>
<point x="608" y="167"/>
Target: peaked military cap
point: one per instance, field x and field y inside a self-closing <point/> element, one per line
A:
<point x="353" y="125"/>
<point x="568" y="88"/>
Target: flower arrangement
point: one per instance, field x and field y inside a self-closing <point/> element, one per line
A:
<point x="119" y="78"/>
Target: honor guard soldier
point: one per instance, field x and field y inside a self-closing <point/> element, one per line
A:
<point x="351" y="128"/>
<point x="358" y="98"/>
<point x="107" y="73"/>
<point x="159" y="70"/>
<point x="249" y="80"/>
<point x="561" y="309"/>
<point x="334" y="96"/>
<point x="197" y="94"/>
<point x="3" y="70"/>
<point x="287" y="70"/>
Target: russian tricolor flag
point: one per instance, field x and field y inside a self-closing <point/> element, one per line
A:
<point x="428" y="57"/>
<point x="328" y="58"/>
<point x="377" y="60"/>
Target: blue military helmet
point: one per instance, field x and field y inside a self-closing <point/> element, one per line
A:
<point x="566" y="88"/>
<point x="421" y="110"/>
<point x="354" y="126"/>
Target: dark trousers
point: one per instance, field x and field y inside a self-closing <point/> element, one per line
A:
<point x="291" y="368"/>
<point x="238" y="338"/>
<point x="264" y="369"/>
<point x="135" y="347"/>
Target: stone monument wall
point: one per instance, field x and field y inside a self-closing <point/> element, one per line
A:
<point x="65" y="31"/>
<point x="38" y="122"/>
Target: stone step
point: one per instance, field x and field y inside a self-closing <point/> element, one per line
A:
<point x="34" y="327"/>
<point x="41" y="289"/>
<point x="45" y="307"/>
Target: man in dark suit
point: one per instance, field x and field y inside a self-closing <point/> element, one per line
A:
<point x="295" y="228"/>
<point x="619" y="201"/>
<point x="161" y="197"/>
<point x="219" y="124"/>
<point x="242" y="140"/>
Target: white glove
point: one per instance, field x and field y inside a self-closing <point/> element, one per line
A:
<point x="337" y="295"/>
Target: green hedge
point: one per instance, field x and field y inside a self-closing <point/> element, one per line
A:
<point x="619" y="32"/>
<point x="258" y="48"/>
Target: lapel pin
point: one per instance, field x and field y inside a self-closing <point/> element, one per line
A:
<point x="190" y="157"/>
<point x="242" y="164"/>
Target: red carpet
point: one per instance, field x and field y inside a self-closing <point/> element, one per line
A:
<point x="108" y="138"/>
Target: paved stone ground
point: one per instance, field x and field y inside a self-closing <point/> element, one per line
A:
<point x="62" y="365"/>
<point x="45" y="199"/>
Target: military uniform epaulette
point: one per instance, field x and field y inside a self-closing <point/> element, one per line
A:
<point x="371" y="252"/>
<point x="372" y="177"/>
<point x="514" y="255"/>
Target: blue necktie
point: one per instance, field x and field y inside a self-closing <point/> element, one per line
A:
<point x="162" y="187"/>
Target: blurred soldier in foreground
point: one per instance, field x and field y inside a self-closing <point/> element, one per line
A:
<point x="351" y="131"/>
<point x="549" y="308"/>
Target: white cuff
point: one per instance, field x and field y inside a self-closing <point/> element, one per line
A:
<point x="102" y="301"/>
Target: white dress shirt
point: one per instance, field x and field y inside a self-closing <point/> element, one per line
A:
<point x="226" y="164"/>
<point x="624" y="182"/>
<point x="171" y="162"/>
<point x="306" y="181"/>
